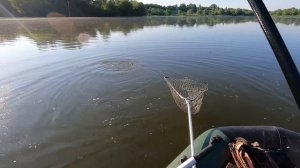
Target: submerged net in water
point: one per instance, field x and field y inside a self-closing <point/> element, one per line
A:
<point x="186" y="89"/>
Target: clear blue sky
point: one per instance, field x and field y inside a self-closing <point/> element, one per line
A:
<point x="271" y="4"/>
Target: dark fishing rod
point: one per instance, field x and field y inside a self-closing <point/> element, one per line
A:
<point x="280" y="50"/>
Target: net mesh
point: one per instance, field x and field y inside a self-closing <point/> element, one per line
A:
<point x="186" y="89"/>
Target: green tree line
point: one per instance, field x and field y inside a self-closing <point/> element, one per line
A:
<point x="75" y="8"/>
<point x="41" y="8"/>
<point x="286" y="12"/>
<point x="192" y="9"/>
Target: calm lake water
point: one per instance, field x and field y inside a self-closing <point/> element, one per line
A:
<point x="89" y="92"/>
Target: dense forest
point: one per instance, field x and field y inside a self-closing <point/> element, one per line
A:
<point x="192" y="9"/>
<point x="286" y="12"/>
<point x="77" y="8"/>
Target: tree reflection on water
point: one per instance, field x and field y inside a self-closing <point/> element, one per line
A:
<point x="74" y="32"/>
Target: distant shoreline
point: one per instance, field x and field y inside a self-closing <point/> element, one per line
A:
<point x="120" y="8"/>
<point x="116" y="17"/>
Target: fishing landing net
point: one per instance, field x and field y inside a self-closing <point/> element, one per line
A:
<point x="184" y="90"/>
<point x="188" y="96"/>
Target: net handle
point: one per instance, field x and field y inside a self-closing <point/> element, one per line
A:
<point x="188" y="103"/>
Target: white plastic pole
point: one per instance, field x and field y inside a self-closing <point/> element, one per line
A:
<point x="188" y="102"/>
<point x="188" y="163"/>
<point x="190" y="127"/>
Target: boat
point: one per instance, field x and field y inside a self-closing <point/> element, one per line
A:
<point x="249" y="146"/>
<point x="212" y="147"/>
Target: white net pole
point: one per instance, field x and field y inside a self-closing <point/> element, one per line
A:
<point x="190" y="127"/>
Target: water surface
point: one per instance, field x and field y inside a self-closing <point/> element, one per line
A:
<point x="89" y="92"/>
